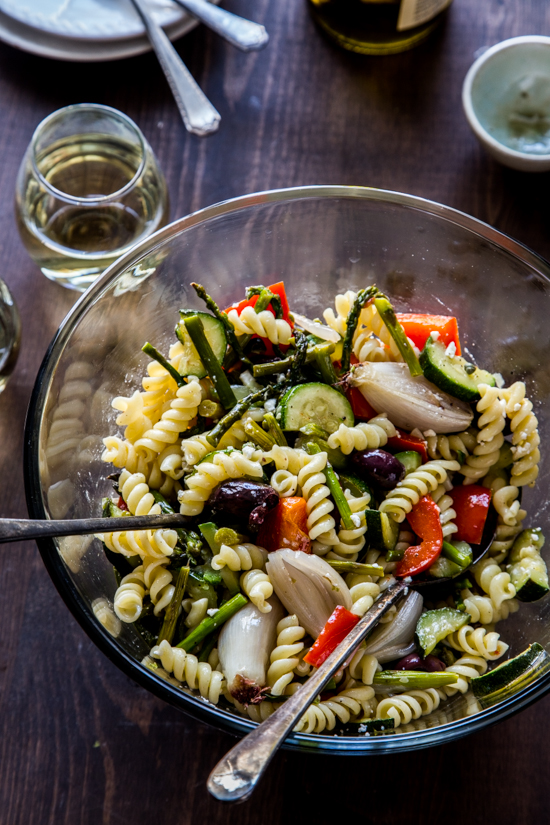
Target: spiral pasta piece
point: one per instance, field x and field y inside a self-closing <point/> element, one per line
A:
<point x="407" y="706"/>
<point x="284" y="458"/>
<point x="196" y="611"/>
<point x="174" y="421"/>
<point x="209" y="474"/>
<point x="105" y="616"/>
<point x="285" y="656"/>
<point x="158" y="581"/>
<point x="346" y="705"/>
<point x="371" y="319"/>
<point x="510" y="516"/>
<point x="363" y="666"/>
<point x="477" y="642"/>
<point x="258" y="588"/>
<point x="128" y="601"/>
<point x="350" y="542"/>
<point x="311" y="481"/>
<point x="159" y="388"/>
<point x="343" y="304"/>
<point x="240" y="557"/>
<point x="264" y="324"/>
<point x="493" y="581"/>
<point x="525" y="435"/>
<point x="408" y="492"/>
<point x="447" y="514"/>
<point x="187" y="669"/>
<point x="366" y="347"/>
<point x="449" y="446"/>
<point x="466" y="668"/>
<point x="170" y="461"/>
<point x="373" y="434"/>
<point x="490" y="439"/>
<point x="284" y="483"/>
<point x="132" y="416"/>
<point x="363" y="591"/>
<point x="123" y="454"/>
<point x="195" y="448"/>
<point x="482" y="609"/>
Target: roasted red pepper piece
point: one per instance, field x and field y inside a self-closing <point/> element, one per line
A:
<point x="471" y="504"/>
<point x="424" y="520"/>
<point x="404" y="441"/>
<point x="335" y="631"/>
<point x="121" y="504"/>
<point x="362" y="410"/>
<point x="418" y="328"/>
<point x="286" y="526"/>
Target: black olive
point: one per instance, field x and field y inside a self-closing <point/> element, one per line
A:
<point x="379" y="467"/>
<point x="243" y="501"/>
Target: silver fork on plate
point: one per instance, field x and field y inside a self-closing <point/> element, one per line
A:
<point x="198" y="114"/>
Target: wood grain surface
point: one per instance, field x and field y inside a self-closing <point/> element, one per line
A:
<point x="80" y="744"/>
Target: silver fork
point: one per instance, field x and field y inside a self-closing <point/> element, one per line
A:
<point x="198" y="114"/>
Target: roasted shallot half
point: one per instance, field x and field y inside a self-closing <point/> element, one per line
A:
<point x="308" y="587"/>
<point x="410" y="402"/>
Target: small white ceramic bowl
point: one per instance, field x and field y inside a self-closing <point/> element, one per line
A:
<point x="506" y="98"/>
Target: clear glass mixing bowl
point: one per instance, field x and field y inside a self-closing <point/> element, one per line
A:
<point x="320" y="240"/>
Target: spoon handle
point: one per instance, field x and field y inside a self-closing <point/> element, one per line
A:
<point x="238" y="31"/>
<point x="198" y="114"/>
<point x="236" y="775"/>
<point x="12" y="529"/>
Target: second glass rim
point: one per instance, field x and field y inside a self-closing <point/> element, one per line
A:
<point x="85" y="201"/>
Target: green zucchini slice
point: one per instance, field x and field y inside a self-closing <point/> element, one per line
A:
<point x="435" y="625"/>
<point x="527" y="568"/>
<point x="314" y="404"/>
<point x="190" y="362"/>
<point x="382" y="532"/>
<point x="511" y="676"/>
<point x="452" y="373"/>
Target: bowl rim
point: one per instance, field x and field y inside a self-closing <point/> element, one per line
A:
<point x="182" y="700"/>
<point x="467" y="102"/>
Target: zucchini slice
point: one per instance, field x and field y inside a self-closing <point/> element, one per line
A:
<point x="435" y="625"/>
<point x="511" y="676"/>
<point x="410" y="459"/>
<point x="190" y="362"/>
<point x="354" y="484"/>
<point x="527" y="568"/>
<point x="401" y="681"/>
<point x="452" y="373"/>
<point x="314" y="404"/>
<point x="382" y="531"/>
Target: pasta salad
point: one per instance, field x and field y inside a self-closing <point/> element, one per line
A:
<point x="316" y="463"/>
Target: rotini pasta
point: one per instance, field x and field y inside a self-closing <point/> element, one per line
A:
<point x="363" y="436"/>
<point x="525" y="435"/>
<point x="211" y="473"/>
<point x="477" y="642"/>
<point x="188" y="670"/>
<point x="489" y="438"/>
<point x="285" y="656"/>
<point x="284" y="483"/>
<point x="445" y="504"/>
<point x="311" y="482"/>
<point x="240" y="557"/>
<point x="264" y="324"/>
<point x="348" y="704"/>
<point x="494" y="581"/>
<point x="174" y="421"/>
<point x="407" y="706"/>
<point x="408" y="492"/>
<point x="128" y="601"/>
<point x="466" y="668"/>
<point x="258" y="588"/>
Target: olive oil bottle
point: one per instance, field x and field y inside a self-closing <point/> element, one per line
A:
<point x="378" y="26"/>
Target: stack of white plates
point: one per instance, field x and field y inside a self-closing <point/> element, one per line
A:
<point x="86" y="30"/>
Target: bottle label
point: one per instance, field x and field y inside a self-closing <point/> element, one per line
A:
<point x="415" y="12"/>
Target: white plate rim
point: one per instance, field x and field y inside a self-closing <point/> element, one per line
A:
<point x="87" y="50"/>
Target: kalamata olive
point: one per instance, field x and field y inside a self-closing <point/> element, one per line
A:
<point x="379" y="467"/>
<point x="243" y="501"/>
<point x="432" y="664"/>
<point x="411" y="662"/>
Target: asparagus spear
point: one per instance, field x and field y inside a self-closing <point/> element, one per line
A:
<point x="397" y="332"/>
<point x="214" y="436"/>
<point x="171" y="616"/>
<point x="273" y="367"/>
<point x="326" y="368"/>
<point x="355" y="567"/>
<point x="274" y="430"/>
<point x="459" y="553"/>
<point x="211" y="623"/>
<point x="404" y="680"/>
<point x="335" y="489"/>
<point x="264" y="440"/>
<point x="363" y="298"/>
<point x="153" y="352"/>
<point x="194" y="327"/>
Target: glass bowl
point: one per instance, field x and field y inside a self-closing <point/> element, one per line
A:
<point x="320" y="240"/>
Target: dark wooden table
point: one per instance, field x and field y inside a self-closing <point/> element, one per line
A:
<point x="79" y="742"/>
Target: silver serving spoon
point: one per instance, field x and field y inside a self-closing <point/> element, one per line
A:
<point x="198" y="114"/>
<point x="237" y="774"/>
<point x="242" y="33"/>
<point x="12" y="529"/>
